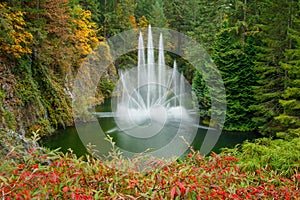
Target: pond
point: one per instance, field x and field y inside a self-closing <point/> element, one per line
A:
<point x="69" y="139"/>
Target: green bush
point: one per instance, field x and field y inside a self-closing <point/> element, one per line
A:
<point x="280" y="156"/>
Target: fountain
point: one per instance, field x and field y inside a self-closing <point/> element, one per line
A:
<point x="153" y="106"/>
<point x="152" y="96"/>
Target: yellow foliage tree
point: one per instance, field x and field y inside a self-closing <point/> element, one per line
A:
<point x="143" y="22"/>
<point x="84" y="37"/>
<point x="14" y="39"/>
<point x="71" y="35"/>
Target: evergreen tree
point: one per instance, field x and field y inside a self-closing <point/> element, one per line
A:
<point x="204" y="19"/>
<point x="94" y="7"/>
<point x="157" y="17"/>
<point x="104" y="10"/>
<point x="121" y="18"/>
<point x="290" y="101"/>
<point x="201" y="91"/>
<point x="174" y="12"/>
<point x="232" y="57"/>
<point x="234" y="54"/>
<point x="275" y="20"/>
<point x="144" y="8"/>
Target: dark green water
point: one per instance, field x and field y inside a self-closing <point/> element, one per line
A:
<point x="69" y="138"/>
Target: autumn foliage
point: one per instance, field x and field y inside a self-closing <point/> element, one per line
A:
<point x="71" y="35"/>
<point x="14" y="39"/>
<point x="84" y="35"/>
<point x="63" y="176"/>
<point x="62" y="35"/>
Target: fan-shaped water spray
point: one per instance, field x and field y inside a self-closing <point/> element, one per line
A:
<point x="152" y="96"/>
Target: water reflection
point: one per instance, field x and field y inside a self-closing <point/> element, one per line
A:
<point x="68" y="138"/>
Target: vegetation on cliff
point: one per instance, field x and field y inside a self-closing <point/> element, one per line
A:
<point x="43" y="43"/>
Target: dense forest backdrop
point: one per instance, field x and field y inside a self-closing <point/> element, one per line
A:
<point x="254" y="43"/>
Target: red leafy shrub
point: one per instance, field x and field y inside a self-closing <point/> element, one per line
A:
<point x="63" y="176"/>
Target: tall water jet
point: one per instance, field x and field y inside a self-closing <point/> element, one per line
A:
<point x="161" y="67"/>
<point x="141" y="63"/>
<point x="174" y="81"/>
<point x="141" y="52"/>
<point x="182" y="90"/>
<point x="150" y="65"/>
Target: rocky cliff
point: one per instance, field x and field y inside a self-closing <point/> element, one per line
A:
<point x="33" y="97"/>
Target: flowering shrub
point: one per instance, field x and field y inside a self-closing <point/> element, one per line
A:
<point x="53" y="175"/>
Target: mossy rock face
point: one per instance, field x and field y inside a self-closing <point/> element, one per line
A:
<point x="11" y="140"/>
<point x="98" y="74"/>
<point x="34" y="98"/>
<point x="31" y="99"/>
<point x="42" y="126"/>
<point x="10" y="120"/>
<point x="9" y="100"/>
<point x="50" y="106"/>
<point x="108" y="80"/>
<point x="108" y="77"/>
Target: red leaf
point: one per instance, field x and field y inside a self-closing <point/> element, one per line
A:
<point x="173" y="192"/>
<point x="31" y="150"/>
<point x="73" y="195"/>
<point x="20" y="166"/>
<point x="54" y="178"/>
<point x="287" y="195"/>
<point x="27" y="194"/>
<point x="182" y="188"/>
<point x="66" y="189"/>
